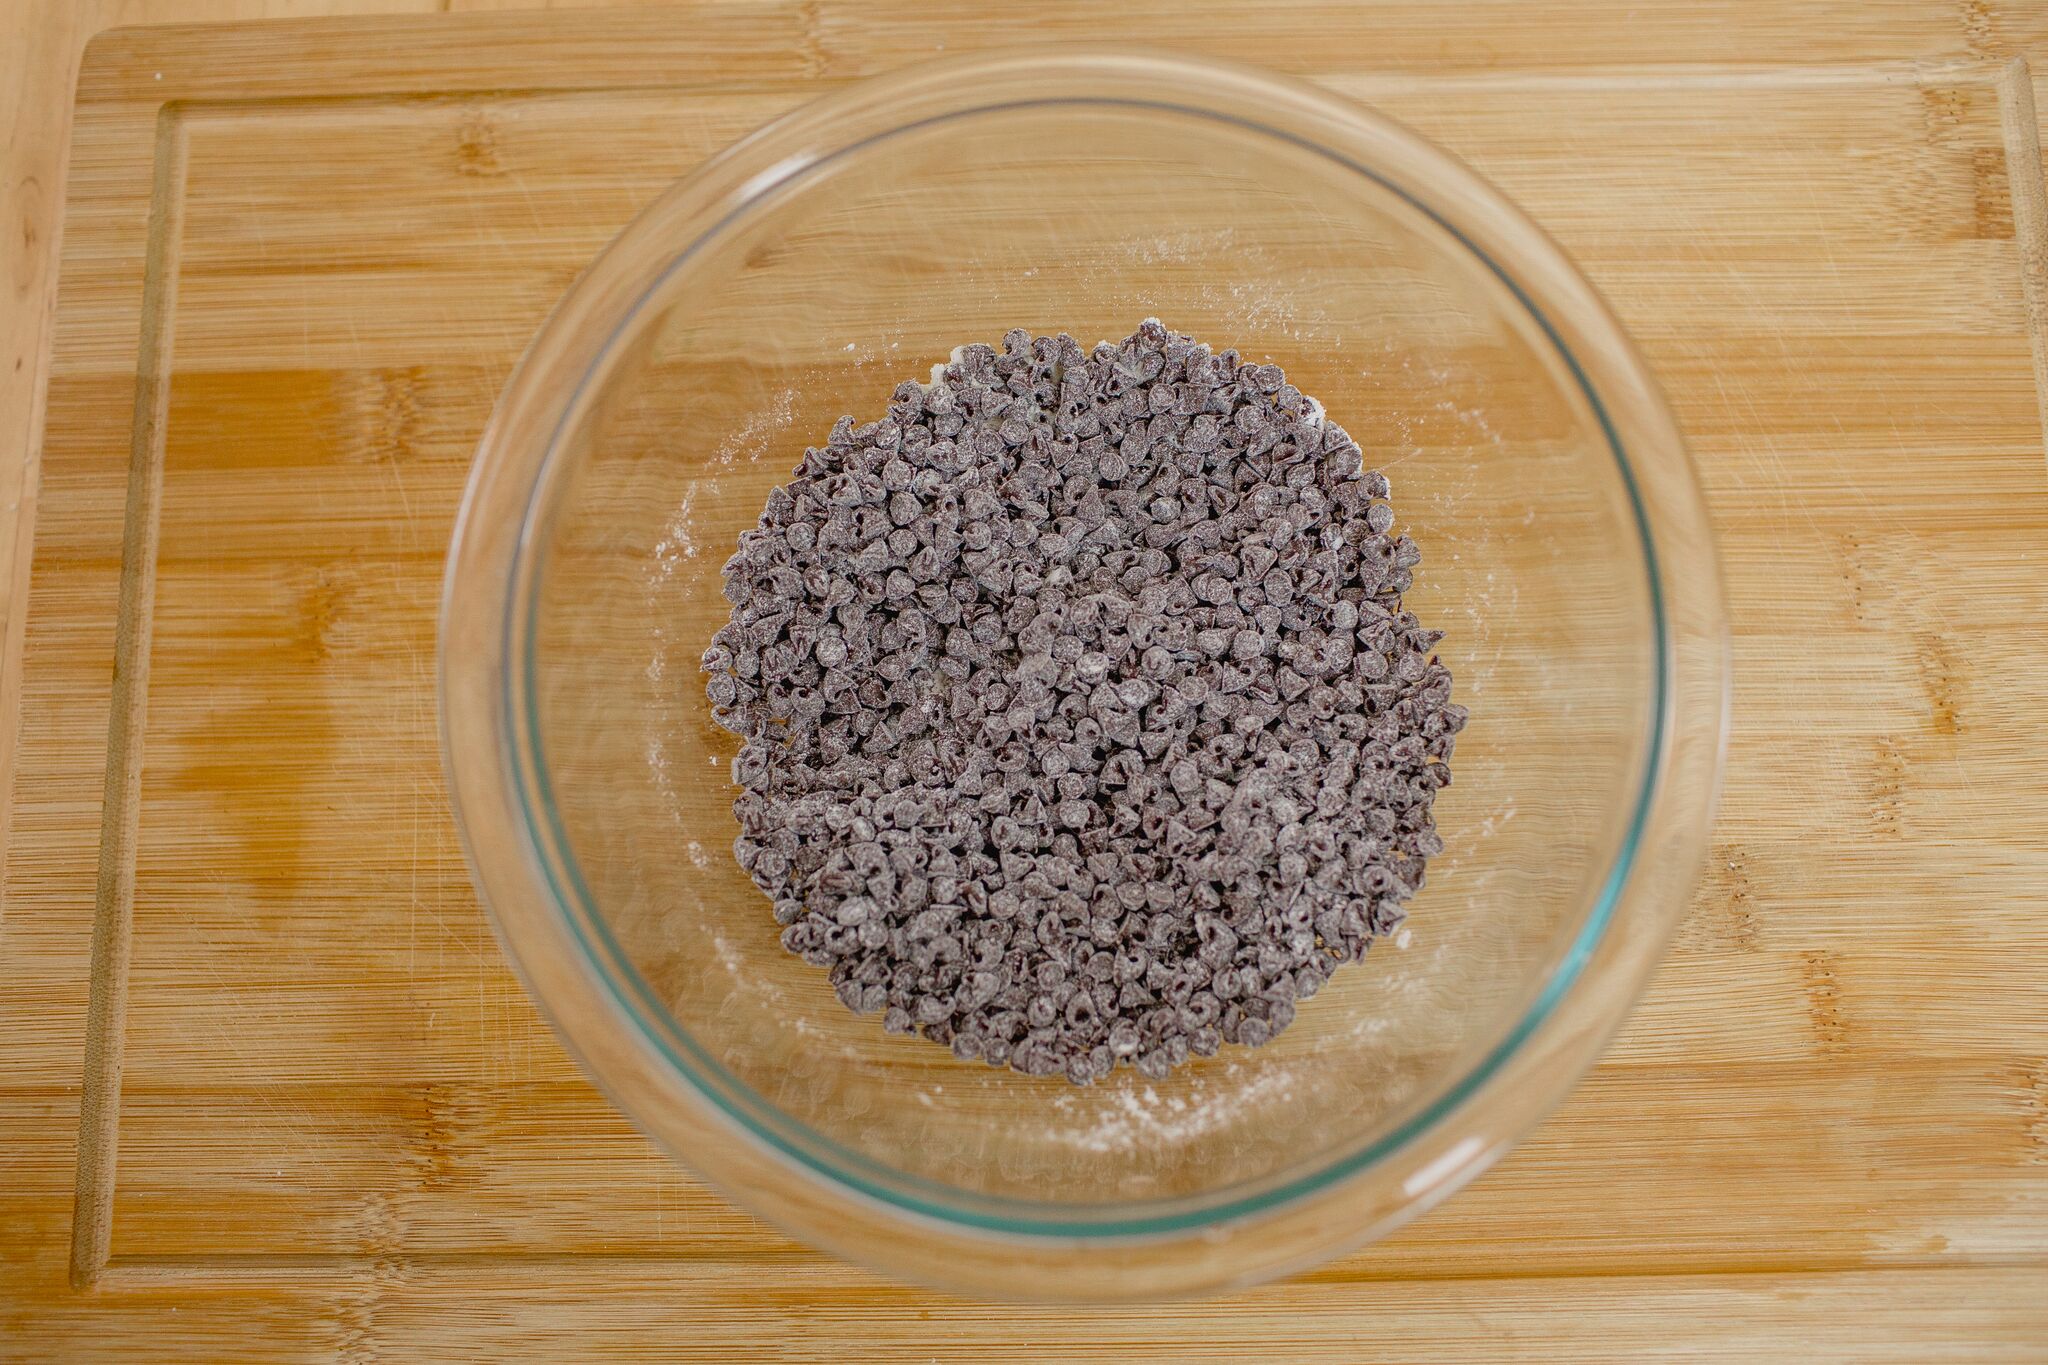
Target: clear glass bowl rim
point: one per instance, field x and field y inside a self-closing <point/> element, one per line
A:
<point x="602" y="309"/>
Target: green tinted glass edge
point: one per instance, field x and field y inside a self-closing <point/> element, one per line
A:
<point x="604" y="955"/>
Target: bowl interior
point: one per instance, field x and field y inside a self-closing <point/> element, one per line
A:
<point x="1087" y="216"/>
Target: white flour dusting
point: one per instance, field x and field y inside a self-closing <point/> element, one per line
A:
<point x="1140" y="1117"/>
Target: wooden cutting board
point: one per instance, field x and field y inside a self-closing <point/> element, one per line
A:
<point x="298" y="264"/>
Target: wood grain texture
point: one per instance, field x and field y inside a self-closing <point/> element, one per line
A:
<point x="344" y="1133"/>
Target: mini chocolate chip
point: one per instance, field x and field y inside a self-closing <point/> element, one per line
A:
<point x="1083" y="725"/>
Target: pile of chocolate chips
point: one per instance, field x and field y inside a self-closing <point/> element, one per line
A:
<point x="1083" y="723"/>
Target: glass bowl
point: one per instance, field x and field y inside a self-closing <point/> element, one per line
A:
<point x="854" y="243"/>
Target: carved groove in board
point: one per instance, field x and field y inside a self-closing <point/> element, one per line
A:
<point x="114" y="909"/>
<point x="2029" y="212"/>
<point x="120" y="813"/>
<point x="553" y="1270"/>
